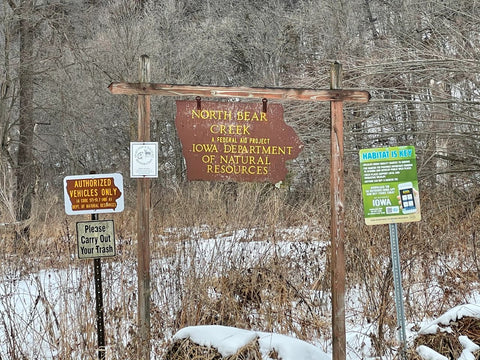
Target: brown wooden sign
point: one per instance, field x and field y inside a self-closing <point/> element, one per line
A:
<point x="233" y="141"/>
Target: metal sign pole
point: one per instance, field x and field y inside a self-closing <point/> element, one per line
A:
<point x="97" y="266"/>
<point x="397" y="282"/>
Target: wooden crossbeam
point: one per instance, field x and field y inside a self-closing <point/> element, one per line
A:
<point x="124" y="88"/>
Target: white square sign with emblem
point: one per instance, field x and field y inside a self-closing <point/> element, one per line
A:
<point x="143" y="159"/>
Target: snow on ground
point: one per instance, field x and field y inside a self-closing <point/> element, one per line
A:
<point x="29" y="302"/>
<point x="228" y="340"/>
<point x="452" y="315"/>
<point x="428" y="354"/>
<point x="458" y="312"/>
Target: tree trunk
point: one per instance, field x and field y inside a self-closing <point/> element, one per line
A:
<point x="25" y="168"/>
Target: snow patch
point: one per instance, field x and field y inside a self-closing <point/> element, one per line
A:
<point x="454" y="314"/>
<point x="429" y="354"/>
<point x="228" y="340"/>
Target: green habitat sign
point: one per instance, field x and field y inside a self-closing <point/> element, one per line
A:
<point x="389" y="185"/>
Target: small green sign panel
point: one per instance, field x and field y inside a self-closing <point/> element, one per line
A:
<point x="95" y="239"/>
<point x="389" y="185"/>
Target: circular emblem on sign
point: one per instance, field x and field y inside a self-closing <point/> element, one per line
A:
<point x="144" y="155"/>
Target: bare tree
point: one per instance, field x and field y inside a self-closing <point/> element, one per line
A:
<point x="24" y="164"/>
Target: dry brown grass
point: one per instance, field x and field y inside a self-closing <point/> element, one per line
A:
<point x="278" y="282"/>
<point x="258" y="295"/>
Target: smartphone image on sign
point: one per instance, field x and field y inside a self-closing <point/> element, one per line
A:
<point x="407" y="198"/>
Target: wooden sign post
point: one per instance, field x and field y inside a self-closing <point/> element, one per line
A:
<point x="143" y="222"/>
<point x="335" y="95"/>
<point x="337" y="210"/>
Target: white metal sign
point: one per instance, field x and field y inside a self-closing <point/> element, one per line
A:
<point x="143" y="159"/>
<point x="93" y="194"/>
<point x="95" y="239"/>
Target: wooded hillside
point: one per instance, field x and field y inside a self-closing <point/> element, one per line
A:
<point x="418" y="59"/>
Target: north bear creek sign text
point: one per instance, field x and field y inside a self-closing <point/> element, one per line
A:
<point x="233" y="141"/>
